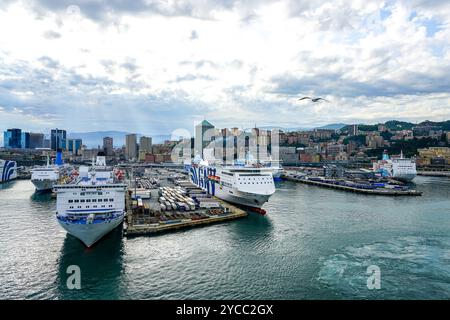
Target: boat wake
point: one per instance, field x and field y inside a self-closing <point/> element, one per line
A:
<point x="411" y="268"/>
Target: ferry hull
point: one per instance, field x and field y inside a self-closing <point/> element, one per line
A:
<point x="407" y="177"/>
<point x="89" y="234"/>
<point x="277" y="176"/>
<point x="253" y="200"/>
<point x="401" y="169"/>
<point x="244" y="186"/>
<point x="43" y="185"/>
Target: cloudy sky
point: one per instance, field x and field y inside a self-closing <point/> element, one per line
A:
<point x="152" y="66"/>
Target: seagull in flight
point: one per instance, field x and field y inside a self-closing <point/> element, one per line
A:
<point x="313" y="99"/>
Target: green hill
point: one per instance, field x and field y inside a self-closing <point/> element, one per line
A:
<point x="396" y="125"/>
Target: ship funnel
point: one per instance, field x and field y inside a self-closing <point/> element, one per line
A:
<point x="101" y="161"/>
<point x="59" y="160"/>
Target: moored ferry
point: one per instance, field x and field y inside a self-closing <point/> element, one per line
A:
<point x="46" y="177"/>
<point x="93" y="205"/>
<point x="247" y="186"/>
<point x="8" y="170"/>
<point x="402" y="169"/>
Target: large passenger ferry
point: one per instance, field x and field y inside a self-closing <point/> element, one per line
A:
<point x="8" y="170"/>
<point x="401" y="168"/>
<point x="93" y="205"/>
<point x="46" y="177"/>
<point x="247" y="186"/>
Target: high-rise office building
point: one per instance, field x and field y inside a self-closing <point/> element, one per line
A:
<point x="108" y="146"/>
<point x="58" y="139"/>
<point x="12" y="138"/>
<point x="74" y="146"/>
<point x="25" y="140"/>
<point x="130" y="146"/>
<point x="36" y="140"/>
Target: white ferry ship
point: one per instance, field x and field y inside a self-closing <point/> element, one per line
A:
<point x="401" y="168"/>
<point x="8" y="170"/>
<point x="247" y="186"/>
<point x="93" y="205"/>
<point x="46" y="177"/>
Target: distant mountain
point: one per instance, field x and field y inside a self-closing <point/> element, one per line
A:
<point x="332" y="126"/>
<point x="95" y="139"/>
<point x="393" y="125"/>
<point x="445" y="125"/>
<point x="296" y="129"/>
<point x="278" y="128"/>
<point x="396" y="125"/>
<point x="267" y="128"/>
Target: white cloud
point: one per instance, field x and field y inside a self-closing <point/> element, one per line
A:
<point x="157" y="64"/>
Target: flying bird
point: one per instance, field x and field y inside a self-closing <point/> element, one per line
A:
<point x="313" y="99"/>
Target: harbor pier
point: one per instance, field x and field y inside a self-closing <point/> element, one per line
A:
<point x="145" y="214"/>
<point x="434" y="173"/>
<point x="343" y="185"/>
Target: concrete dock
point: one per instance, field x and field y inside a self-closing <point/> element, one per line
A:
<point x="376" y="191"/>
<point x="434" y="173"/>
<point x="148" y="218"/>
<point x="135" y="229"/>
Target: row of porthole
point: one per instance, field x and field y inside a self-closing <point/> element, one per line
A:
<point x="90" y="193"/>
<point x="265" y="182"/>
<point x="87" y="207"/>
<point x="89" y="200"/>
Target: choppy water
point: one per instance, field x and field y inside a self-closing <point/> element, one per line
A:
<point x="313" y="243"/>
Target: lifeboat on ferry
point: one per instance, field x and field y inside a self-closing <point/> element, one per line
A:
<point x="119" y="174"/>
<point x="214" y="178"/>
<point x="74" y="175"/>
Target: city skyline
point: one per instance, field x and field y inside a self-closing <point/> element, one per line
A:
<point x="107" y="65"/>
<point x="96" y="139"/>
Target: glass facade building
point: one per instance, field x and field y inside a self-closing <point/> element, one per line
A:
<point x="58" y="139"/>
<point x="74" y="145"/>
<point x="12" y="138"/>
<point x="25" y="140"/>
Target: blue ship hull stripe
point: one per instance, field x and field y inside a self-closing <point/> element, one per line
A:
<point x="199" y="176"/>
<point x="8" y="170"/>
